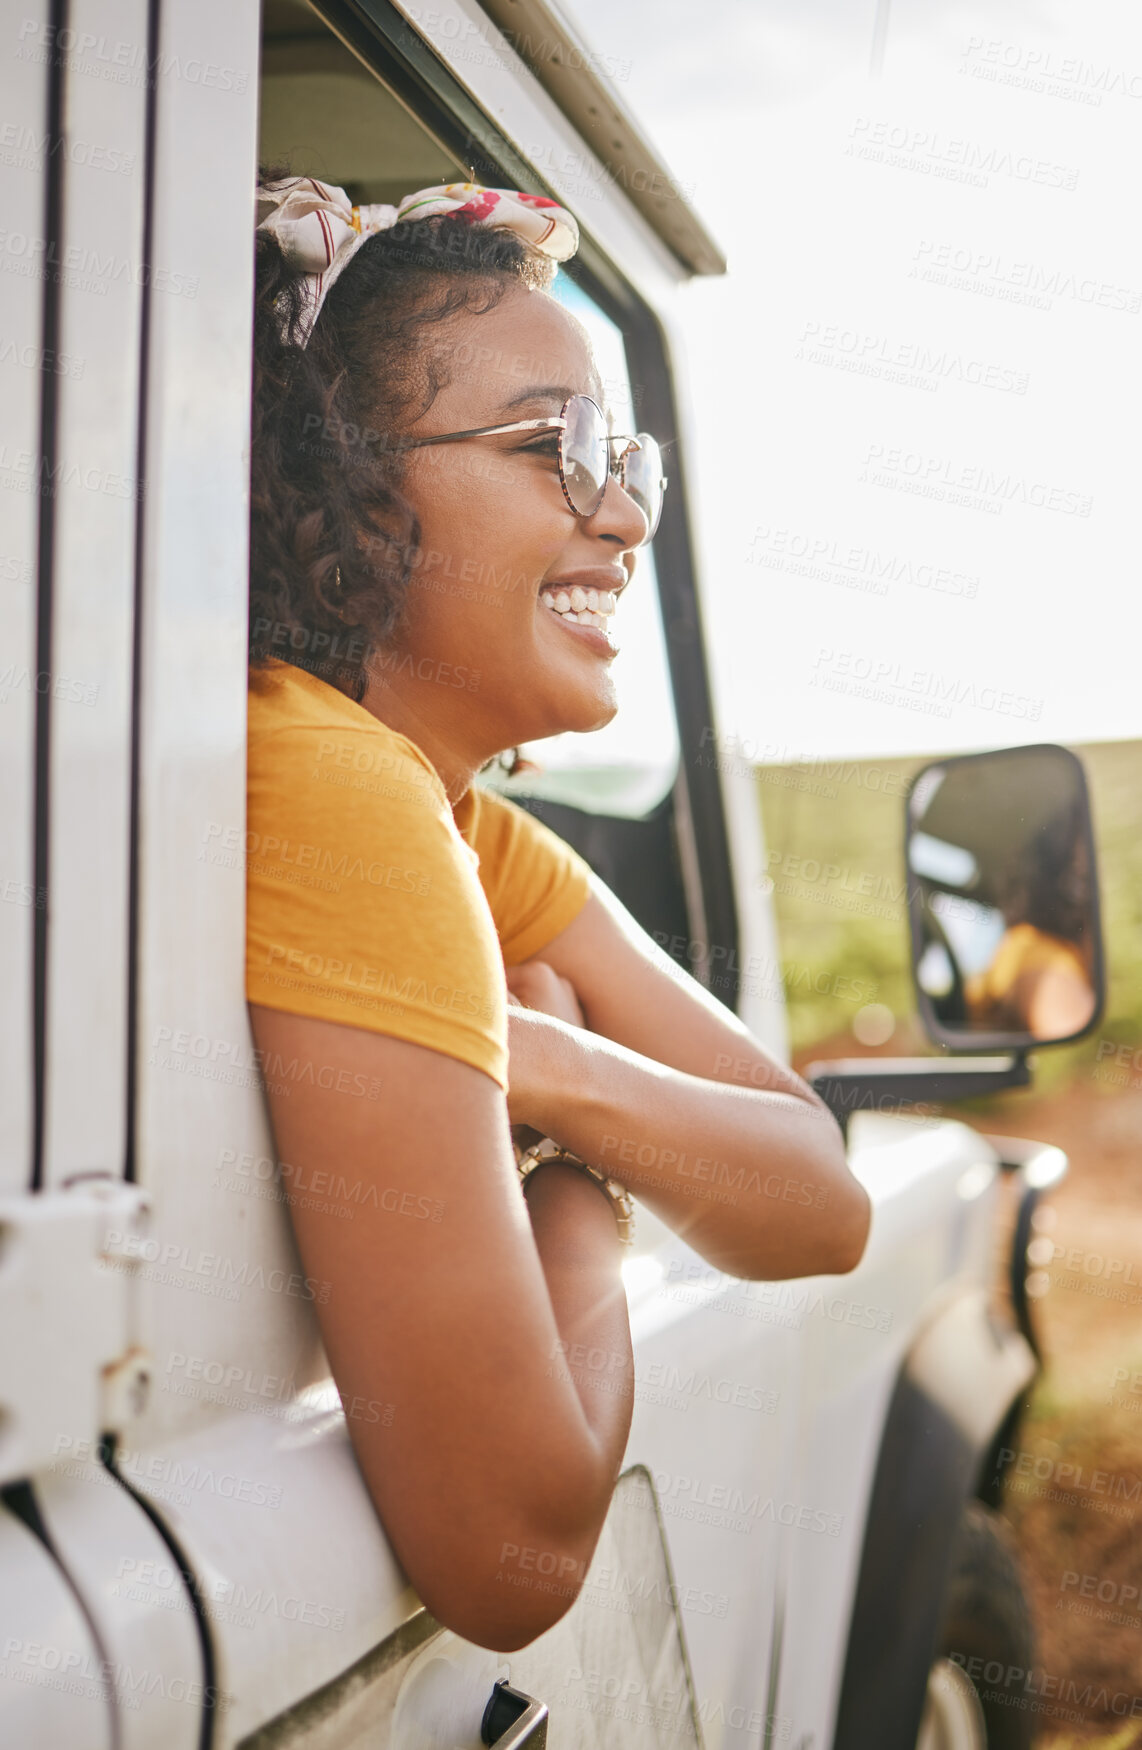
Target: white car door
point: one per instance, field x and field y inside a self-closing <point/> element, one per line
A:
<point x="83" y="1663"/>
<point x="218" y="1555"/>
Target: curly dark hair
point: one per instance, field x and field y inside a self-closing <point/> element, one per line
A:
<point x="326" y="497"/>
<point x="1052" y="886"/>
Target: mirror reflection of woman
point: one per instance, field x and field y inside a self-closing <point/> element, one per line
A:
<point x="431" y="587"/>
<point x="1039" y="980"/>
<point x="1037" y="983"/>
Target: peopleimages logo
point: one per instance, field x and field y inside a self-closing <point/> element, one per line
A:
<point x="715" y="1503"/>
<point x="71" y="1671"/>
<point x="1030" y="1687"/>
<point x="131" y="1250"/>
<point x="118" y="60"/>
<point x="931" y="153"/>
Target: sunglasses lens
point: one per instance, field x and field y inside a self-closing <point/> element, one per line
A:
<point x="585" y="454"/>
<point x="643" y="479"/>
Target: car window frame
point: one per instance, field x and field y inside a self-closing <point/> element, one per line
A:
<point x="385" y="41"/>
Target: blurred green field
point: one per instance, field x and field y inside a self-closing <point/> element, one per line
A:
<point x="834" y="833"/>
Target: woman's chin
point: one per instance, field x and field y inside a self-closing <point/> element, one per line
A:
<point x="575" y="710"/>
<point x="585" y="711"/>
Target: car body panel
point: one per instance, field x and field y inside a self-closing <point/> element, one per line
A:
<point x="53" y="1685"/>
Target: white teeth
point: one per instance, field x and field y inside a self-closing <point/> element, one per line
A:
<point x="587" y="607"/>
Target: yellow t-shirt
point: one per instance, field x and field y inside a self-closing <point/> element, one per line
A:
<point x="1022" y="949"/>
<point x="369" y="899"/>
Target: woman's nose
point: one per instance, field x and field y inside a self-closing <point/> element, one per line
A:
<point x="618" y="518"/>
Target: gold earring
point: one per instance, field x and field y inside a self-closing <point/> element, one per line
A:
<point x="337" y="580"/>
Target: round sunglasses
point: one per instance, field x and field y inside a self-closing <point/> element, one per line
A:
<point x="586" y="462"/>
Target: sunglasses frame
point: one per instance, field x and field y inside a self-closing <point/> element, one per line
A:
<point x="616" y="471"/>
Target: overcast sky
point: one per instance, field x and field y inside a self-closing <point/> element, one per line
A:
<point x="917" y="424"/>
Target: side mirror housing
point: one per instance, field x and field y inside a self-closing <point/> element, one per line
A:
<point x="1003" y="900"/>
<point x="1003" y="910"/>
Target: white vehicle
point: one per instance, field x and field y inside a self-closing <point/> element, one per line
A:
<point x="803" y="1550"/>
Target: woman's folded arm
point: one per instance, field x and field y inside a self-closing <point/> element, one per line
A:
<point x="464" y="1310"/>
<point x="675" y="1097"/>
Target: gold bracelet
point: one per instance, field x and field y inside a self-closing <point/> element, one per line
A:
<point x="540" y="1153"/>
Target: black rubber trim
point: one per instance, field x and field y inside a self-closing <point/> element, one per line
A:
<point x="657" y="411"/>
<point x="133" y="858"/>
<point x="512" y="1716"/>
<point x="1017" y="1280"/>
<point x="206" y="1733"/>
<point x="638" y="860"/>
<point x="924" y="1475"/>
<point x="386" y="41"/>
<point x="773" y="1686"/>
<point x="45" y="568"/>
<point x="873" y="1084"/>
<point x="991" y="1478"/>
<point x="20" y="1499"/>
<point x="926" y="1472"/>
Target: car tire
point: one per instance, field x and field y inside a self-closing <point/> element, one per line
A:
<point x="987" y="1637"/>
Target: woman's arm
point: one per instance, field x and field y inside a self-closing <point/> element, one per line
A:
<point x="447" y="1303"/>
<point x="674" y="1096"/>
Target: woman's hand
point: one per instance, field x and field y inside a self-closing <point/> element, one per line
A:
<point x="536" y="985"/>
<point x="536" y="994"/>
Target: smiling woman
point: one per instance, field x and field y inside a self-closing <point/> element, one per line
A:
<point x="443" y="531"/>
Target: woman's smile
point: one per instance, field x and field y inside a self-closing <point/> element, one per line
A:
<point x="584" y="603"/>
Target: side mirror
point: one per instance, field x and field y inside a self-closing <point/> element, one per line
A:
<point x="1003" y="900"/>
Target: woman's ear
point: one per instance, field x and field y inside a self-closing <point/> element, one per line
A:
<point x="515" y="765"/>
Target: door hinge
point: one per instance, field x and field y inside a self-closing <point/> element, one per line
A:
<point x="72" y="1365"/>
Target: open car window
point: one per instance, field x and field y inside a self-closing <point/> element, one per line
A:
<point x="627" y="768"/>
<point x="325" y="113"/>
